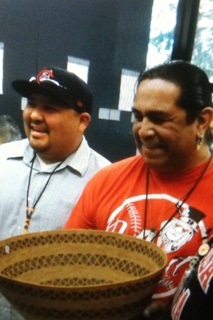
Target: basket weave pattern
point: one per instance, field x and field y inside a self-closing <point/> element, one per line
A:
<point x="79" y="274"/>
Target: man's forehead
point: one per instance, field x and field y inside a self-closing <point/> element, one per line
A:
<point x="156" y="91"/>
<point x="155" y="83"/>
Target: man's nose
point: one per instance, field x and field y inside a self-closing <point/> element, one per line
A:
<point x="146" y="129"/>
<point x="36" y="114"/>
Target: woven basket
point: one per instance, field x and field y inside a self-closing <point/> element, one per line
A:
<point x="79" y="274"/>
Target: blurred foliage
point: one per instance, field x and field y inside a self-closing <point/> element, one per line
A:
<point x="203" y="45"/>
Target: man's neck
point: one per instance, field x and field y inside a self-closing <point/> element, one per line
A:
<point x="46" y="165"/>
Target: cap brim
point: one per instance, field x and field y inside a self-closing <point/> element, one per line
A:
<point x="27" y="89"/>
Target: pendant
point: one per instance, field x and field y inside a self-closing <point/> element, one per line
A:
<point x="204" y="249"/>
<point x="26" y="226"/>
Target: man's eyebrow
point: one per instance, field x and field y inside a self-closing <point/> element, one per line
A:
<point x="150" y="112"/>
<point x="135" y="110"/>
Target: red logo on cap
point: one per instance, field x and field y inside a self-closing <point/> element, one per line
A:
<point x="80" y="103"/>
<point x="44" y="75"/>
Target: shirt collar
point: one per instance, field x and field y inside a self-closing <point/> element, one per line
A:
<point x="77" y="162"/>
<point x="19" y="149"/>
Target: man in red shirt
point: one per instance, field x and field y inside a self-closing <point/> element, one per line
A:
<point x="165" y="194"/>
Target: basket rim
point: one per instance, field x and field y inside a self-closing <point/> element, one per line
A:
<point x="88" y="288"/>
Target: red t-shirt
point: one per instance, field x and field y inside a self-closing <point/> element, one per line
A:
<point x="120" y="198"/>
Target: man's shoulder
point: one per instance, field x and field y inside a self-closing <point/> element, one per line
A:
<point x="13" y="149"/>
<point x="100" y="159"/>
<point x="86" y="160"/>
<point x="133" y="161"/>
<point x="124" y="166"/>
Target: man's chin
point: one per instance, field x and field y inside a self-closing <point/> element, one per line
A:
<point x="37" y="145"/>
<point x="154" y="161"/>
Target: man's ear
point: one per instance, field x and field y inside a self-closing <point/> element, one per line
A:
<point x="85" y="119"/>
<point x="205" y="119"/>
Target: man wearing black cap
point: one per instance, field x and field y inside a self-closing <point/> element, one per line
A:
<point x="57" y="113"/>
<point x="42" y="177"/>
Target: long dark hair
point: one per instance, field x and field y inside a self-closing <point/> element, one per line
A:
<point x="196" y="90"/>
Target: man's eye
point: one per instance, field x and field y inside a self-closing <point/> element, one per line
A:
<point x="158" y="120"/>
<point x="31" y="104"/>
<point x="137" y="117"/>
<point x="49" y="108"/>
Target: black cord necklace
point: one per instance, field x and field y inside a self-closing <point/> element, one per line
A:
<point x="30" y="210"/>
<point x="146" y="201"/>
<point x="178" y="204"/>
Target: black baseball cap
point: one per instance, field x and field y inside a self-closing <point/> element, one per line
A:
<point x="61" y="84"/>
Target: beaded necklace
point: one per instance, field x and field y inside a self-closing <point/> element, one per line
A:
<point x="30" y="210"/>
